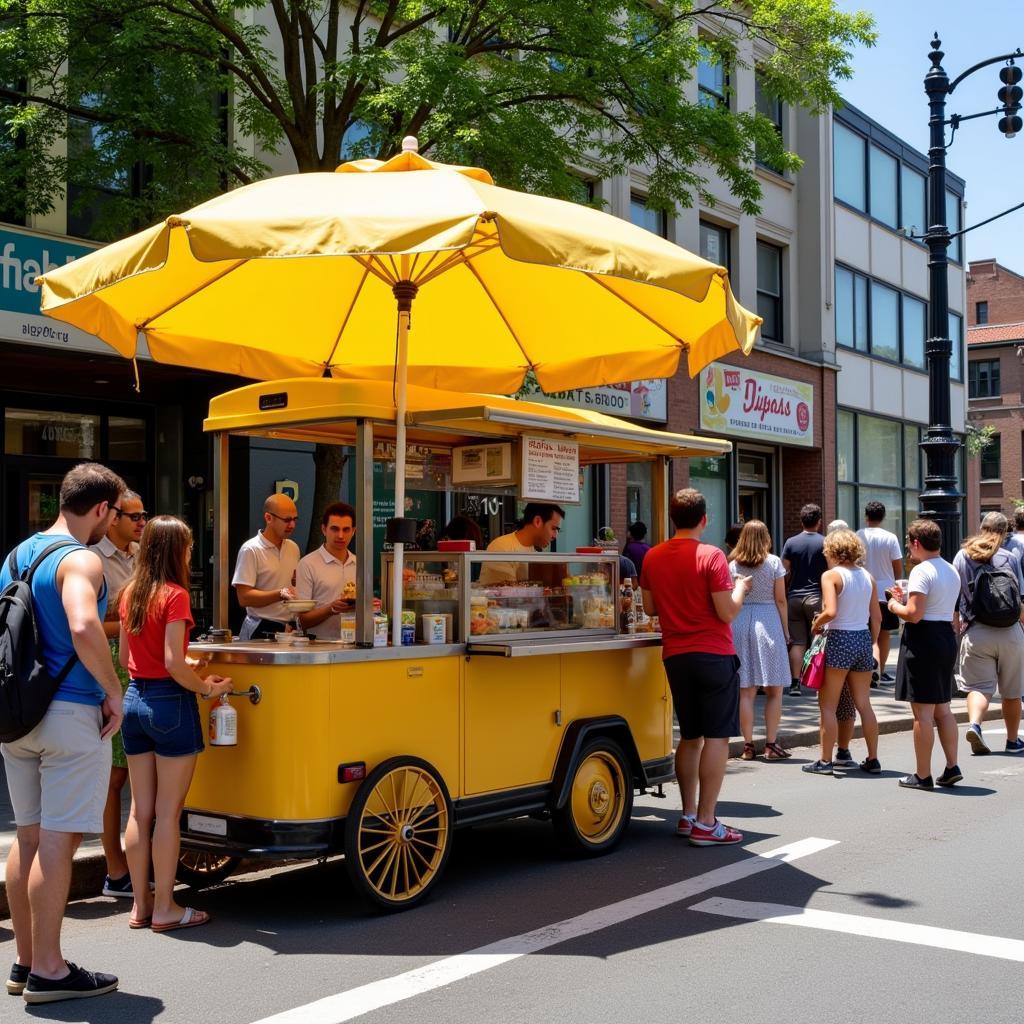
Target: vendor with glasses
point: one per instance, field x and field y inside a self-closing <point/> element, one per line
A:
<point x="265" y="570"/>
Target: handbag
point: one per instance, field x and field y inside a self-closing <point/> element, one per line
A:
<point x="812" y="675"/>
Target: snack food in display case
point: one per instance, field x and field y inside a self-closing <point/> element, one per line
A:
<point x="523" y="596"/>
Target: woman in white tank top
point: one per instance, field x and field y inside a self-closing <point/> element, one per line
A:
<point x="850" y="616"/>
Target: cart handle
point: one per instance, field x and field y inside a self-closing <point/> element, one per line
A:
<point x="254" y="693"/>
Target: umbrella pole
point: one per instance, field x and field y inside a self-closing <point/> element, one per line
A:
<point x="405" y="292"/>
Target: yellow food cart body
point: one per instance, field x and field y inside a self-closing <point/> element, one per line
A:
<point x="487" y="724"/>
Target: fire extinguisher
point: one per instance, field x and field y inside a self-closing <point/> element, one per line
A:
<point x="223" y="724"/>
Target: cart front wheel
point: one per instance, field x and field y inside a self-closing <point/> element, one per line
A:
<point x="600" y="800"/>
<point x="398" y="833"/>
<point x="198" y="868"/>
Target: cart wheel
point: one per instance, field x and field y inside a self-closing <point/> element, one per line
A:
<point x="600" y="801"/>
<point x="398" y="833"/>
<point x="198" y="868"/>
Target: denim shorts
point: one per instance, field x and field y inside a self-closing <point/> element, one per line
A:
<point x="161" y="717"/>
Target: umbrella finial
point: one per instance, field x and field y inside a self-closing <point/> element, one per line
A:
<point x="410" y="144"/>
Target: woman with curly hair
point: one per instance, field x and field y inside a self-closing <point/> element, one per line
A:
<point x="761" y="634"/>
<point x="850" y="617"/>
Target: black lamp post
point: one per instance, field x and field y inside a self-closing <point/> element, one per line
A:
<point x="941" y="497"/>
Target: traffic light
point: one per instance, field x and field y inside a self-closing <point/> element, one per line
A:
<point x="1010" y="96"/>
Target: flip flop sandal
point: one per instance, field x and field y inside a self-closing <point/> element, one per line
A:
<point x="139" y="922"/>
<point x="748" y="752"/>
<point x="191" y="918"/>
<point x="773" y="752"/>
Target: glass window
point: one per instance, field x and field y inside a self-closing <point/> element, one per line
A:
<point x="714" y="244"/>
<point x="879" y="451"/>
<point x="883" y="170"/>
<point x="956" y="336"/>
<point x="712" y="79"/>
<point x="126" y="439"/>
<point x="913" y="457"/>
<point x="983" y="378"/>
<point x="644" y="217"/>
<point x="711" y="478"/>
<point x="769" y="290"/>
<point x="991" y="459"/>
<point x="914" y="216"/>
<point x="848" y="161"/>
<point x="851" y="309"/>
<point x="953" y="224"/>
<point x="638" y="492"/>
<point x="847" y="505"/>
<point x="892" y="498"/>
<point x="981" y="313"/>
<point x="915" y="328"/>
<point x="768" y="106"/>
<point x="59" y="434"/>
<point x="845" y="447"/>
<point x="885" y="321"/>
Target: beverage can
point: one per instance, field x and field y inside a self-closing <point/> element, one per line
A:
<point x="408" y="634"/>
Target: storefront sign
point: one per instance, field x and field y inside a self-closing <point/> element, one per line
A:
<point x="741" y="403"/>
<point x="639" y="399"/>
<point x="550" y="469"/>
<point x="24" y="255"/>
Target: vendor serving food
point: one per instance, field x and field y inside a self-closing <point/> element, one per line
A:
<point x="539" y="527"/>
<point x="328" y="575"/>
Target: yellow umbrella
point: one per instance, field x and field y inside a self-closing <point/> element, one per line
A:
<point x="299" y="275"/>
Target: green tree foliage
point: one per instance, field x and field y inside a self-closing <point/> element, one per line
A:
<point x="538" y="91"/>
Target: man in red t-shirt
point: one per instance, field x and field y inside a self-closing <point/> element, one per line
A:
<point x="690" y="588"/>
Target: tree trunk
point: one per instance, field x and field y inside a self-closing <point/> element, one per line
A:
<point x="328" y="462"/>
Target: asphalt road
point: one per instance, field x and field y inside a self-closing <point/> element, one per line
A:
<point x="893" y="906"/>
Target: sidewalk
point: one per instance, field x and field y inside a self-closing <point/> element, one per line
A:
<point x="799" y="728"/>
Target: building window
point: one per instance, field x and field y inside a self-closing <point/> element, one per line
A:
<point x="915" y="330"/>
<point x="769" y="291"/>
<point x="953" y="224"/>
<point x="882" y="188"/>
<point x="992" y="459"/>
<point x="643" y="216"/>
<point x="913" y="208"/>
<point x="981" y="313"/>
<point x="848" y="157"/>
<point x="956" y="336"/>
<point x="712" y="79"/>
<point x="885" y="321"/>
<point x="983" y="378"/>
<point x="711" y="478"/>
<point x="768" y="106"/>
<point x="851" y="309"/>
<point x="714" y="244"/>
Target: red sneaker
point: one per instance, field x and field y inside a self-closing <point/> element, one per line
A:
<point x="718" y="834"/>
<point x="685" y="826"/>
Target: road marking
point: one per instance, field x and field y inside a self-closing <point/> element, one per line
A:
<point x="377" y="994"/>
<point x="871" y="927"/>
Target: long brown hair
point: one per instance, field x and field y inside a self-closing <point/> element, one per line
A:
<point x="983" y="545"/>
<point x="753" y="545"/>
<point x="162" y="559"/>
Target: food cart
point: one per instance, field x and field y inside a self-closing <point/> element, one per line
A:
<point x="532" y="700"/>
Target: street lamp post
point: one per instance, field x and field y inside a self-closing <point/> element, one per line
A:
<point x="940" y="500"/>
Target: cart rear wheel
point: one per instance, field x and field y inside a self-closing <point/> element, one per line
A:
<point x="600" y="800"/>
<point x="398" y="833"/>
<point x="199" y="868"/>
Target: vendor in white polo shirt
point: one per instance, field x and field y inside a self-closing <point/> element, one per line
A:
<point x="265" y="570"/>
<point x="328" y="575"/>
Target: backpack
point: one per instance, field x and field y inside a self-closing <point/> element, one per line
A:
<point x="995" y="596"/>
<point x="26" y="686"/>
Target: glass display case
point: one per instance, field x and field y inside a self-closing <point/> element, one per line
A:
<point x="481" y="594"/>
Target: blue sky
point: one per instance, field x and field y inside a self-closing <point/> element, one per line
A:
<point x="887" y="86"/>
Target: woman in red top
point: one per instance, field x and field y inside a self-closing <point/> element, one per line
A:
<point x="161" y="729"/>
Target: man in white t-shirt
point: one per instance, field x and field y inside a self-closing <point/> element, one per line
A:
<point x="539" y="527"/>
<point x="884" y="560"/>
<point x="328" y="575"/>
<point x="265" y="570"/>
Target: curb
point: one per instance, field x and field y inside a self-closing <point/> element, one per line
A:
<point x="89" y="867"/>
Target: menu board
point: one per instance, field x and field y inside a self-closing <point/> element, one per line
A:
<point x="550" y="469"/>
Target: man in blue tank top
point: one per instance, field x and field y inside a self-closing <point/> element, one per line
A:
<point x="57" y="774"/>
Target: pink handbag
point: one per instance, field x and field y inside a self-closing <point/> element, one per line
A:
<point x="813" y="674"/>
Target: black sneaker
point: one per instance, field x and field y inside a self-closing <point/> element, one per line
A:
<point x="916" y="782"/>
<point x="119" y="886"/>
<point x="16" y="982"/>
<point x="950" y="776"/>
<point x="818" y="768"/>
<point x="874" y="680"/>
<point x="843" y="759"/>
<point x="76" y="984"/>
<point x="794" y="689"/>
<point x="888" y="677"/>
<point x="871" y="765"/>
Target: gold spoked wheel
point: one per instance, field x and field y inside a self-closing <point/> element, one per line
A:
<point x="600" y="800"/>
<point x="199" y="868"/>
<point x="398" y="833"/>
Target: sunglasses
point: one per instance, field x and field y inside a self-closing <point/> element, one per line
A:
<point x="135" y="517"/>
<point x="285" y="519"/>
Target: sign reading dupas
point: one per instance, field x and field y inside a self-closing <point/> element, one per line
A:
<point x="739" y="402"/>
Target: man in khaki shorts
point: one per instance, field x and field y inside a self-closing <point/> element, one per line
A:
<point x="57" y="774"/>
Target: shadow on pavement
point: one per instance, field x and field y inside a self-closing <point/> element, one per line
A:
<point x="874" y="899"/>
<point x="739" y="809"/>
<point x="117" y="1006"/>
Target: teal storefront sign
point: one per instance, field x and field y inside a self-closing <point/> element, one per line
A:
<point x="22" y="258"/>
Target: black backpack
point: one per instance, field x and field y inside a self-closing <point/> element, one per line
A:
<point x="995" y="596"/>
<point x="26" y="686"/>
